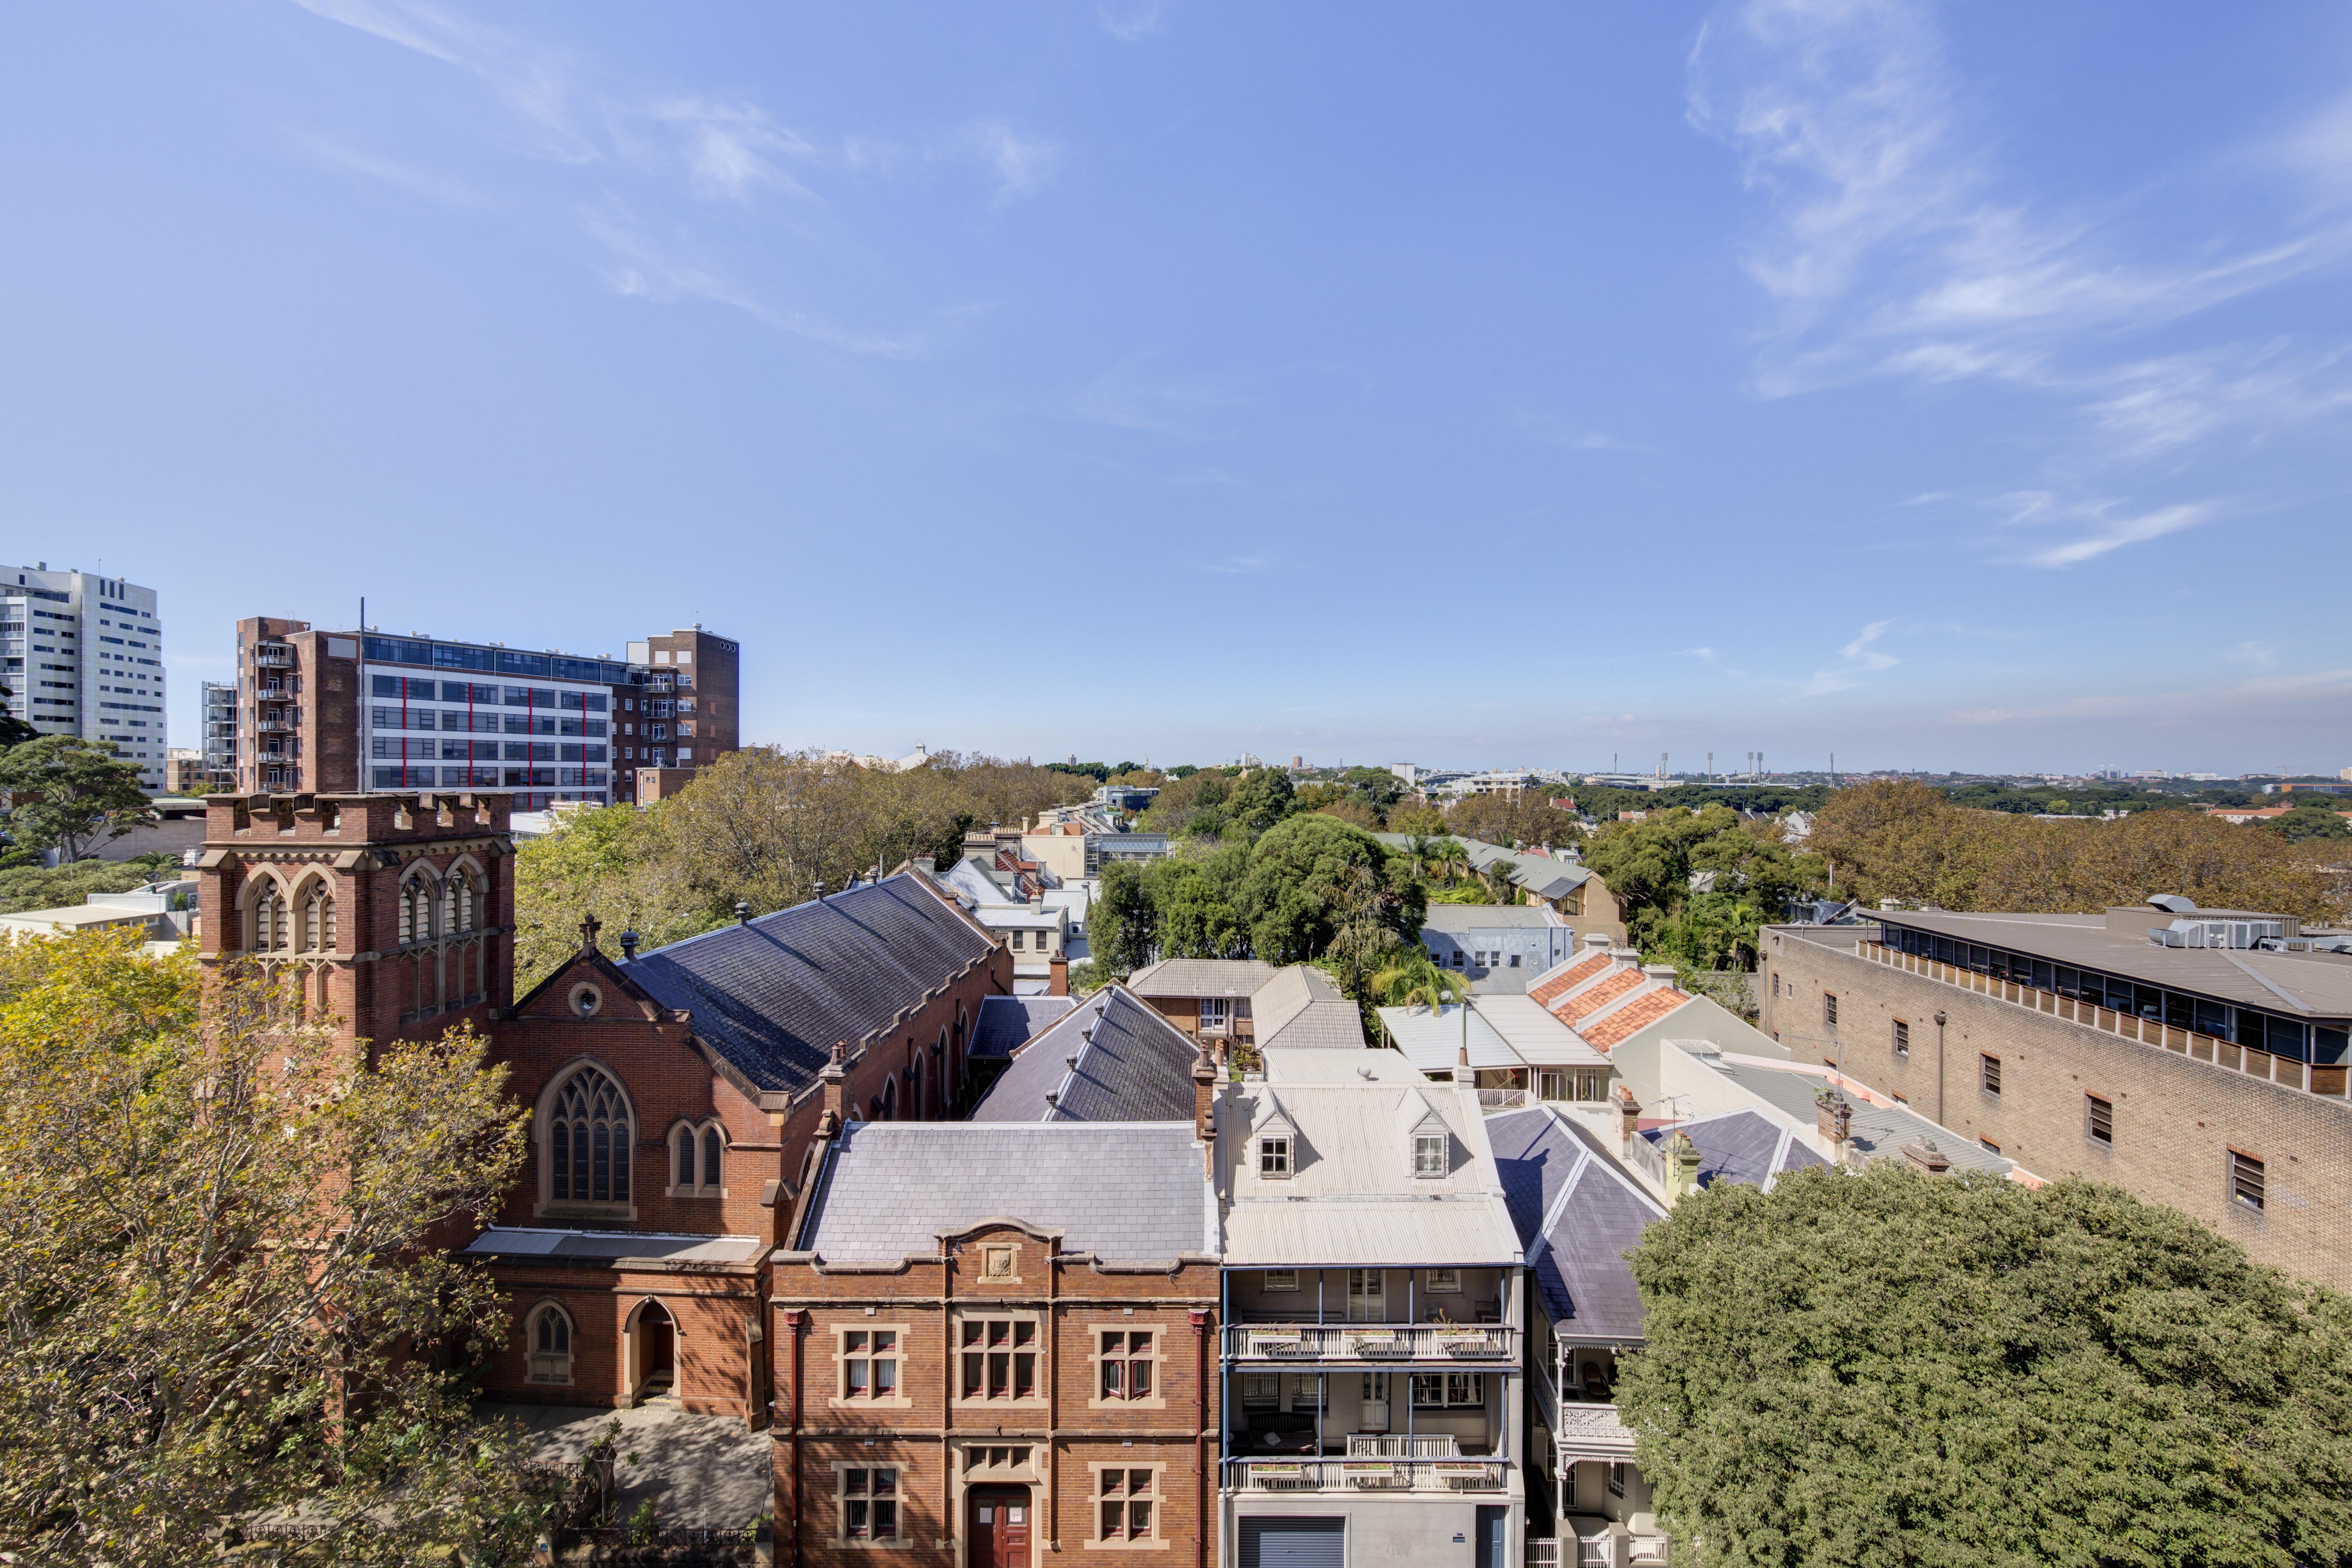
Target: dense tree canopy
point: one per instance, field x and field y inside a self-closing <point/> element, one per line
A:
<point x="1895" y="1369"/>
<point x="1524" y="821"/>
<point x="69" y="795"/>
<point x="763" y="825"/>
<point x="211" y="1243"/>
<point x="1649" y="866"/>
<point x="1894" y="838"/>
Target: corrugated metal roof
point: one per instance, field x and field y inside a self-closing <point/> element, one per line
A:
<point x="1132" y="1066"/>
<point x="1541" y="1039"/>
<point x="1879" y="1132"/>
<point x="1200" y="977"/>
<point x="773" y="995"/>
<point x="1352" y="1198"/>
<point x="1578" y="1212"/>
<point x="1455" y="919"/>
<point x="1433" y="1040"/>
<point x="1126" y="1191"/>
<point x="610" y="1246"/>
<point x="2323" y="986"/>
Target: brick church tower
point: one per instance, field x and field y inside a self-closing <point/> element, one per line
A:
<point x="396" y="912"/>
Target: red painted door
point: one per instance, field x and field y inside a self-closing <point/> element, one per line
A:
<point x="999" y="1527"/>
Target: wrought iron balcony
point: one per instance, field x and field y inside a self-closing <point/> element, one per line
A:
<point x="1445" y="1344"/>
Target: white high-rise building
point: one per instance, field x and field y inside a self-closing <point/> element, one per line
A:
<point x="83" y="654"/>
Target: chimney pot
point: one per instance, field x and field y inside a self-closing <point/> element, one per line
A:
<point x="629" y="940"/>
<point x="742" y="911"/>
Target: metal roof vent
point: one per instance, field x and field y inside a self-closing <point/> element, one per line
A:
<point x="2172" y="903"/>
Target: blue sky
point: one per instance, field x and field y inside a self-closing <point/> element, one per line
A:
<point x="1949" y="387"/>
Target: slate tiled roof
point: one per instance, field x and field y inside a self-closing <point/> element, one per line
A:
<point x="1135" y="1066"/>
<point x="1568" y="979"/>
<point x="1741" y="1146"/>
<point x="1578" y="1213"/>
<point x="595" y="1247"/>
<point x="1124" y="1192"/>
<point x="773" y="995"/>
<point x="1453" y="917"/>
<point x="1639" y="1013"/>
<point x="1007" y="1022"/>
<point x="1300" y="1007"/>
<point x="1622" y="984"/>
<point x="1201" y="977"/>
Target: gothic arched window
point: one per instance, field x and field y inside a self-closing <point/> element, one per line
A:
<point x="415" y="911"/>
<point x="712" y="1144"/>
<point x="269" y="920"/>
<point x="549" y="1335"/>
<point x="589" y="1136"/>
<point x="319" y="921"/>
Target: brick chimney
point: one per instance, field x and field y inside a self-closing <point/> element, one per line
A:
<point x="1058" y="971"/>
<point x="834" y="1078"/>
<point x="1204" y="1094"/>
<point x="1629" y="1113"/>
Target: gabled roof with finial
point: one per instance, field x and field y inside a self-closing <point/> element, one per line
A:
<point x="773" y="993"/>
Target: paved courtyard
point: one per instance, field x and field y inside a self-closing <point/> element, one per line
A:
<point x="697" y="1470"/>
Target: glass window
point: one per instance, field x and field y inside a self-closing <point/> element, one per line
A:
<point x="869" y="1364"/>
<point x="1429" y="1154"/>
<point x="1124" y="1504"/>
<point x="1280" y="1279"/>
<point x="869" y="1503"/>
<point x="999" y="1358"/>
<point x="2098" y="1118"/>
<point x="1126" y="1364"/>
<point x="2246" y="1180"/>
<point x="1273" y="1156"/>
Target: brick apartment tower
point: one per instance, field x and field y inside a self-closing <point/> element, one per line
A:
<point x="691" y="709"/>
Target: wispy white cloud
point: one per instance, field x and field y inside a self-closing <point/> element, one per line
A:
<point x="1862" y="658"/>
<point x="1128" y="399"/>
<point x="432" y="185"/>
<point x="1898" y="247"/>
<point x="1020" y="163"/>
<point x="669" y="155"/>
<point x="2097" y="526"/>
<point x="1130" y="21"/>
<point x="1573" y="437"/>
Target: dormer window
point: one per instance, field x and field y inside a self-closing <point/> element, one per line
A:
<point x="1273" y="1156"/>
<point x="1429" y="1154"/>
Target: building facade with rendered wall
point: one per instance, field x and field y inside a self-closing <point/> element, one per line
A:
<point x="82" y="654"/>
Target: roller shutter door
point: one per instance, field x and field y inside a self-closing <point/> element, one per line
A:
<point x="1283" y="1543"/>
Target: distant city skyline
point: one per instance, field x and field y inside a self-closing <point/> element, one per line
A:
<point x="1946" y="387"/>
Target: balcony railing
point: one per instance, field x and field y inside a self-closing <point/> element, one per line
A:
<point x="1587" y="1432"/>
<point x="2330" y="1081"/>
<point x="272" y="653"/>
<point x="1367" y="1475"/>
<point x="1404" y="1446"/>
<point x="1438" y="1343"/>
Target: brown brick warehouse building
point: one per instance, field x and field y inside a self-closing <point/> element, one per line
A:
<point x="675" y="1094"/>
<point x="2210" y="1077"/>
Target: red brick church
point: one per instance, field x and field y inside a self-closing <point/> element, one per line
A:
<point x="675" y="1094"/>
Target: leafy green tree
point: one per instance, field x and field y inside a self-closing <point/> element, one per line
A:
<point x="609" y="861"/>
<point x="2311" y="819"/>
<point x="1426" y="821"/>
<point x="1193" y="897"/>
<point x="1123" y="925"/>
<point x="221" y="1276"/>
<point x="1649" y="866"/>
<point x="1302" y="884"/>
<point x="69" y="795"/>
<point x="1410" y="976"/>
<point x="1262" y="799"/>
<point x="15" y="732"/>
<point x="1893" y="1369"/>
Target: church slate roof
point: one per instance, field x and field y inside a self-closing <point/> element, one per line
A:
<point x="1132" y="1066"/>
<point x="1008" y="1022"/>
<point x="772" y="995"/>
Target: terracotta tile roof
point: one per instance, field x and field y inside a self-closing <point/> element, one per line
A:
<point x="1625" y="979"/>
<point x="1640" y="1013"/>
<point x="1591" y="964"/>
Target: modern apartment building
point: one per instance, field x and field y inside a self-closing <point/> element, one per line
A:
<point x="82" y="655"/>
<point x="320" y="712"/>
<point x="220" y="736"/>
<point x="692" y="710"/>
<point x="2197" y="1057"/>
